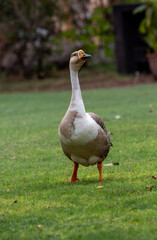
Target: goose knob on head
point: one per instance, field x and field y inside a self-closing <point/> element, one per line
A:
<point x="83" y="136"/>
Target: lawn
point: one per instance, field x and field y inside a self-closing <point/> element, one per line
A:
<point x="35" y="201"/>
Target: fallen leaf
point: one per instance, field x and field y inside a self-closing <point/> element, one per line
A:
<point x="153" y="177"/>
<point x="8" y="190"/>
<point x="91" y="172"/>
<point x="100" y="187"/>
<point x="120" y="151"/>
<point x="39" y="225"/>
<point x="150" y="110"/>
<point x="149" y="187"/>
<point x="116" y="163"/>
<point x="110" y="164"/>
<point x="110" y="132"/>
<point x="150" y="105"/>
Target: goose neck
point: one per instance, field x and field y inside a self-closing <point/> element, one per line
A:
<point x="76" y="99"/>
<point x="74" y="80"/>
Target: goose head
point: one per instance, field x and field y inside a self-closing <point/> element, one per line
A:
<point x="77" y="59"/>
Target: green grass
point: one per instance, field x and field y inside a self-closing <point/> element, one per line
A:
<point x="33" y="169"/>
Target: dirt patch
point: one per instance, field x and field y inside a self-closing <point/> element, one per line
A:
<point x="102" y="82"/>
<point x="88" y="80"/>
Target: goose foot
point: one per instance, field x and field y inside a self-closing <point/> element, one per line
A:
<point x="73" y="180"/>
<point x="99" y="166"/>
<point x="74" y="175"/>
<point x="77" y="179"/>
<point x="100" y="179"/>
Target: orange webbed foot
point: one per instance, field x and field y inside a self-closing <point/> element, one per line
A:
<point x="100" y="179"/>
<point x="99" y="166"/>
<point x="74" y="175"/>
<point x="73" y="180"/>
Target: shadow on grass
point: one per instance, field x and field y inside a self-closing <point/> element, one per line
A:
<point x="116" y="187"/>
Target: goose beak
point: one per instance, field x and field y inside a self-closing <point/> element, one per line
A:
<point x="86" y="56"/>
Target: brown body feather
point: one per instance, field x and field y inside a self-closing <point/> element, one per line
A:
<point x="101" y="123"/>
<point x="98" y="147"/>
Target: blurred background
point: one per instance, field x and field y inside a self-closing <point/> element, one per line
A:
<point x="38" y="36"/>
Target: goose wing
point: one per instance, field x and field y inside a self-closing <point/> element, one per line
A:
<point x="100" y="122"/>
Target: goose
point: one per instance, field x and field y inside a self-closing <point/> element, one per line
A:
<point x="83" y="136"/>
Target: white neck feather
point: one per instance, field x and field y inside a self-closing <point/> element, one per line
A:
<point x="76" y="99"/>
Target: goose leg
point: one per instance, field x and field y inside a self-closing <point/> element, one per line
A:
<point x="99" y="166"/>
<point x="74" y="175"/>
